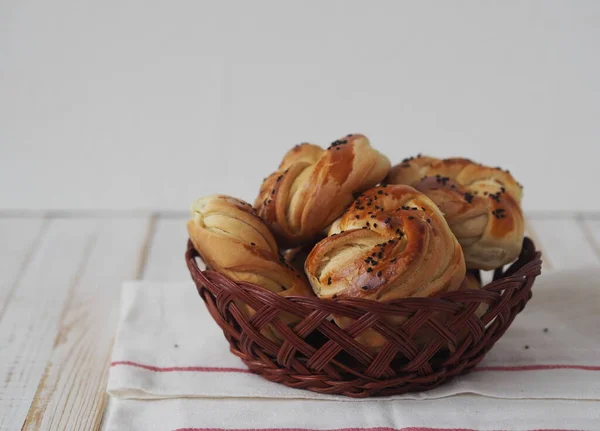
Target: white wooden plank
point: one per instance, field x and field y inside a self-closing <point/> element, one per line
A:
<point x="17" y="241"/>
<point x="563" y="243"/>
<point x="166" y="254"/>
<point x="591" y="229"/>
<point x="29" y="323"/>
<point x="71" y="392"/>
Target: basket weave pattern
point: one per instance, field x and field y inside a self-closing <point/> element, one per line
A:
<point x="317" y="355"/>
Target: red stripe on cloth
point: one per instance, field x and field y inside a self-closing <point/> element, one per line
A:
<point x="244" y="370"/>
<point x="170" y="369"/>
<point x="344" y="429"/>
<point x="539" y="367"/>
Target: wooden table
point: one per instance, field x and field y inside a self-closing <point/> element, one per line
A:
<point x="60" y="277"/>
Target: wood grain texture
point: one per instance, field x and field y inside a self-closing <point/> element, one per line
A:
<point x="29" y="324"/>
<point x="56" y="332"/>
<point x="71" y="393"/>
<point x="165" y="255"/>
<point x="591" y="230"/>
<point x="563" y="243"/>
<point x="17" y="239"/>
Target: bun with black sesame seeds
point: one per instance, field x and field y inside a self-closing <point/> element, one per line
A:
<point x="480" y="203"/>
<point x="313" y="187"/>
<point x="234" y="241"/>
<point x="408" y="252"/>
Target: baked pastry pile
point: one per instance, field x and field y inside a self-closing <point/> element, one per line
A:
<point x="352" y="226"/>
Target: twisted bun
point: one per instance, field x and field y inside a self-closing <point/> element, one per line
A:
<point x="313" y="186"/>
<point x="235" y="242"/>
<point x="392" y="243"/>
<point x="481" y="205"/>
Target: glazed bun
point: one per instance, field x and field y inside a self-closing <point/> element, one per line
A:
<point x="481" y="205"/>
<point x="234" y="241"/>
<point x="312" y="187"/>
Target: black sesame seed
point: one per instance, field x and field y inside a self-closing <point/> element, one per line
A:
<point x="378" y="273"/>
<point x="356" y="217"/>
<point x="428" y="220"/>
<point x="252" y="243"/>
<point x="373" y="216"/>
<point x="410" y="217"/>
<point x="374" y="224"/>
<point x="379" y="192"/>
<point x="526" y="346"/>
<point x="387" y="220"/>
<point x="369" y="269"/>
<point x="365" y="287"/>
<point x="394" y="260"/>
<point x="380" y="255"/>
<point x="329" y="280"/>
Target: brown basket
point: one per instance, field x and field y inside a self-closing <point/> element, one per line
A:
<point x="319" y="356"/>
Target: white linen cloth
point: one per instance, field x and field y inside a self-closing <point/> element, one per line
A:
<point x="168" y="347"/>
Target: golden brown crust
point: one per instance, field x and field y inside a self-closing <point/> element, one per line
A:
<point x="235" y="242"/>
<point x="481" y="205"/>
<point x="392" y="243"/>
<point x="313" y="186"/>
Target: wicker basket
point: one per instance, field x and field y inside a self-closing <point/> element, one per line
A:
<point x="319" y="356"/>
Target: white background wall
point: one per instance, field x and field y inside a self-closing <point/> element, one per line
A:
<point x="147" y="105"/>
